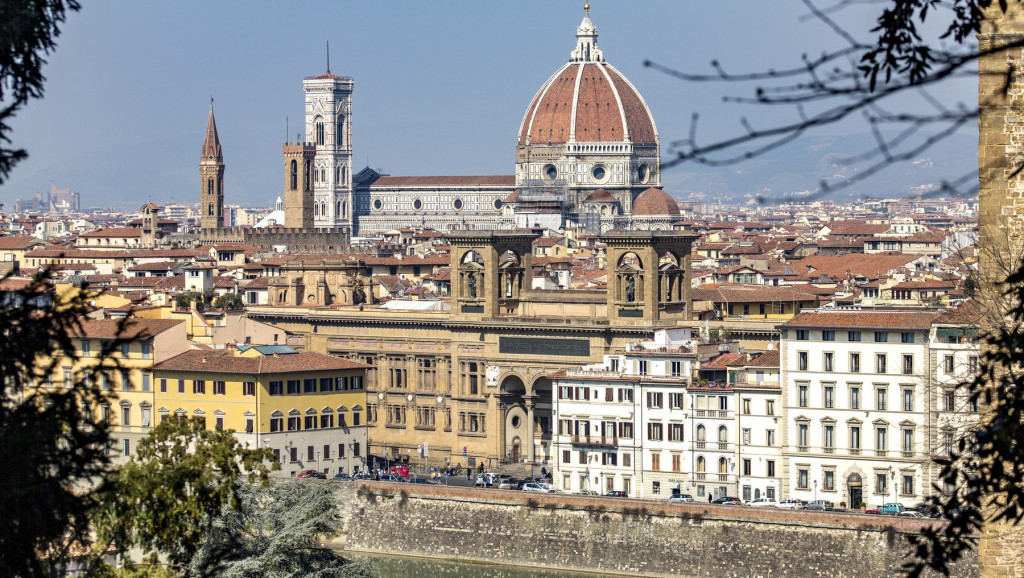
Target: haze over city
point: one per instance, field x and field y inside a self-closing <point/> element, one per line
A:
<point x="440" y="88"/>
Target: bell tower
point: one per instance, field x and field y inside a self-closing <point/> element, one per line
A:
<point x="211" y="178"/>
<point x="329" y="129"/>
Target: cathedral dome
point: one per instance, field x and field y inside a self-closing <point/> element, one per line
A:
<point x="655" y="203"/>
<point x="587" y="100"/>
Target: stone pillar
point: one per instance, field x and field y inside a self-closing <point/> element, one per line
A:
<point x="1000" y="218"/>
<point x="530" y="431"/>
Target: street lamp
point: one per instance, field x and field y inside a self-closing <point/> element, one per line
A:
<point x="815" y="490"/>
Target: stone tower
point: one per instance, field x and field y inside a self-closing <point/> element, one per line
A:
<point x="211" y="178"/>
<point x="329" y="128"/>
<point x="150" y="225"/>
<point x="298" y="185"/>
<point x="1000" y="219"/>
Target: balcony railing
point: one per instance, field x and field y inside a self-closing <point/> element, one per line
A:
<point x="723" y="477"/>
<point x="723" y="445"/>
<point x="880" y="453"/>
<point x="701" y="445"/>
<point x="595" y="440"/>
<point x="829" y="450"/>
<point x="908" y="453"/>
<point x="803" y="449"/>
<point x="700" y="476"/>
<point x="712" y="413"/>
<point x="854" y="451"/>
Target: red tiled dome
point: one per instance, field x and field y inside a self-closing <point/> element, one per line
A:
<point x="596" y="104"/>
<point x="655" y="203"/>
<point x="600" y="196"/>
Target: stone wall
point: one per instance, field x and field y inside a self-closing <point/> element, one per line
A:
<point x="621" y="536"/>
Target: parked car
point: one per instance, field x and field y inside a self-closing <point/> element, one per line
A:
<point x="727" y="501"/>
<point x="342" y="477"/>
<point x="874" y="511"/>
<point x="791" y="504"/>
<point x="586" y="493"/>
<point x="486" y="479"/>
<point x="421" y="481"/>
<point x="823" y="505"/>
<point x="535" y="487"/>
<point x="312" y="474"/>
<point x="892" y="508"/>
<point x="680" y="498"/>
<point x="911" y="514"/>
<point x="391" y="478"/>
<point x="763" y="503"/>
<point x="507" y="483"/>
<point x="616" y="494"/>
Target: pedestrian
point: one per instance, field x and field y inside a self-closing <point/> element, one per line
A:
<point x="709" y="498"/>
<point x="469" y="475"/>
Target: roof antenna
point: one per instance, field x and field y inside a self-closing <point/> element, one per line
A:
<point x="286" y="130"/>
<point x="328" y="57"/>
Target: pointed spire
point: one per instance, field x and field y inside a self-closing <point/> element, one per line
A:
<point x="586" y="40"/>
<point x="211" y="146"/>
<point x="328" y="57"/>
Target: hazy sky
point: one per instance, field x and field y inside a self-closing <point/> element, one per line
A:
<point x="440" y="87"/>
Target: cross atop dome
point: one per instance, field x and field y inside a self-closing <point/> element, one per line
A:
<point x="586" y="41"/>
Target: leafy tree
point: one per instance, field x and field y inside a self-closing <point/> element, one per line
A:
<point x="228" y="301"/>
<point x="167" y="498"/>
<point x="277" y="532"/>
<point x="52" y="439"/>
<point x="28" y="32"/>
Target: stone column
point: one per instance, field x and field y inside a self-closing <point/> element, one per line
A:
<point x="531" y="428"/>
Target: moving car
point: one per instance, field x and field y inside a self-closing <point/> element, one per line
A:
<point x="763" y="503"/>
<point x="342" y="477"/>
<point x="680" y="498"/>
<point x="823" y="505"/>
<point x="312" y="474"/>
<point x="791" y="504"/>
<point x="535" y="487"/>
<point x="616" y="494"/>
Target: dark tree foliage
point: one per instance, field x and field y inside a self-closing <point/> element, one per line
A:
<point x="166" y="499"/>
<point x="52" y="438"/>
<point x="28" y="32"/>
<point x="987" y="467"/>
<point x="892" y="81"/>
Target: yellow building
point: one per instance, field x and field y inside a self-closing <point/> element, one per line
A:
<point x="126" y="372"/>
<point x="308" y="408"/>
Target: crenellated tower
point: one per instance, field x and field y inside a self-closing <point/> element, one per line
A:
<point x="211" y="178"/>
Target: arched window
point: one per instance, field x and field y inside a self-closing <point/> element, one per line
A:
<point x="306" y="175"/>
<point x="701" y="464"/>
<point x="723" y="466"/>
<point x="209" y="209"/>
<point x="320" y="131"/>
<point x="209" y="186"/>
<point x="701" y="433"/>
<point x="344" y="175"/>
<point x="723" y="434"/>
<point x="295" y="174"/>
<point x="340" y="135"/>
<point x="338" y="209"/>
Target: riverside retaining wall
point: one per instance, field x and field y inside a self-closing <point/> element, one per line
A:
<point x="621" y="536"/>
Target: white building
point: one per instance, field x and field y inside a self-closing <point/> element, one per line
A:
<point x="856" y="396"/>
<point x="637" y="423"/>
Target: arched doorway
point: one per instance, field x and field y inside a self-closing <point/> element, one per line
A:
<point x="855" y="488"/>
<point x="512" y="397"/>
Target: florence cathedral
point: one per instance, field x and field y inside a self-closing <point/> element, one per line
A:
<point x="587" y="156"/>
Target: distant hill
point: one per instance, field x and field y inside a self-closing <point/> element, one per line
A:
<point x="802" y="165"/>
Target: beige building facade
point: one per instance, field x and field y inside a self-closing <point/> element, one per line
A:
<point x="471" y="385"/>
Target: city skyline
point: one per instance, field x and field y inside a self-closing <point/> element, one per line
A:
<point x="437" y="91"/>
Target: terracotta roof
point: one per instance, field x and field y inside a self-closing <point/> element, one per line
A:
<point x="157" y="266"/>
<point x="600" y="196"/>
<point x="655" y="202"/>
<point x="579" y="96"/>
<point x="132" y="328"/>
<point x="452" y="181"/>
<point x="867" y="266"/>
<point x="968" y="313"/>
<point x="723" y="361"/>
<point x="854" y="228"/>
<point x="766" y="359"/>
<point x="867" y="319"/>
<point x="748" y="294"/>
<point x="225" y="361"/>
<point x="113" y="232"/>
<point x="19" y="242"/>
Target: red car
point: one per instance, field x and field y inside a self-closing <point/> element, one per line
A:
<point x="312" y="474"/>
